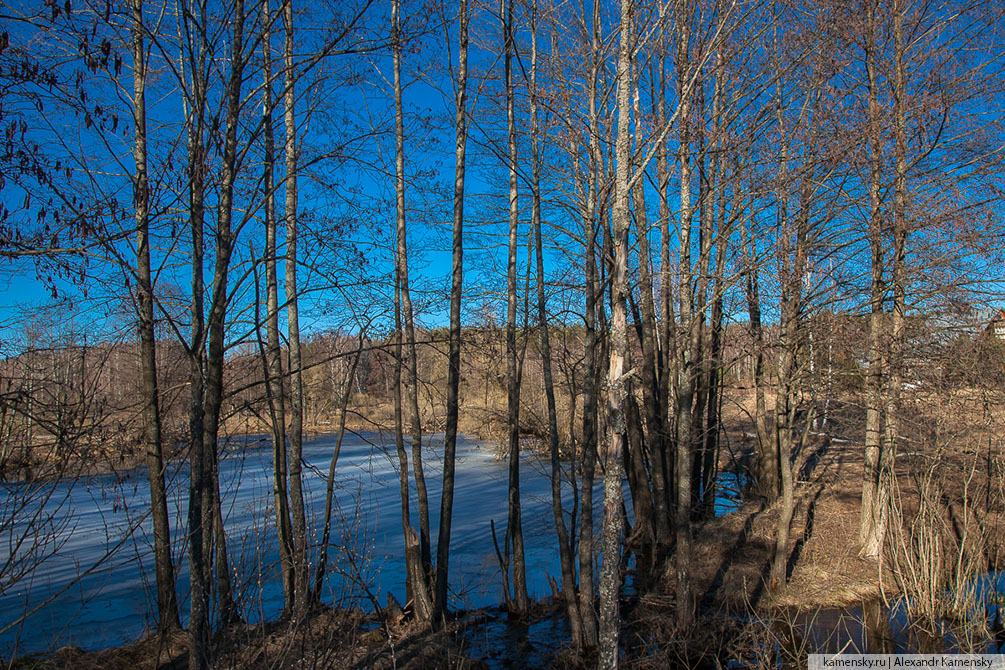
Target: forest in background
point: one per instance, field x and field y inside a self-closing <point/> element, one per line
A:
<point x="648" y="235"/>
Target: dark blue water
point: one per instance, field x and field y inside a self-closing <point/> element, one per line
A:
<point x="92" y="543"/>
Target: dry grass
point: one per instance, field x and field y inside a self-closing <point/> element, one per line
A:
<point x="733" y="552"/>
<point x="327" y="640"/>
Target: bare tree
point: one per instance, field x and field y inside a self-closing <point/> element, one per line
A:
<point x="456" y="286"/>
<point x="301" y="572"/>
<point x="274" y="390"/>
<point x="167" y="604"/>
<point x="418" y="573"/>
<point x="514" y="529"/>
<point x="610" y="575"/>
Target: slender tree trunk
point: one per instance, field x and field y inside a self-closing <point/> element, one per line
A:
<point x="199" y="516"/>
<point x="640" y="535"/>
<point x="515" y="526"/>
<point x="564" y="547"/>
<point x="416" y="583"/>
<point x="663" y="461"/>
<point x="301" y="573"/>
<point x="899" y="270"/>
<point x="456" y="286"/>
<point x="688" y="346"/>
<point x="167" y="604"/>
<point x="419" y="574"/>
<point x="790" y="284"/>
<point x="768" y="479"/>
<point x="791" y="275"/>
<point x="873" y="515"/>
<point x="712" y="423"/>
<point x="216" y="321"/>
<point x="588" y="458"/>
<point x="610" y="576"/>
<point x="652" y="440"/>
<point x="274" y="367"/>
<point x="719" y="234"/>
<point x="229" y="613"/>
<point x="319" y="575"/>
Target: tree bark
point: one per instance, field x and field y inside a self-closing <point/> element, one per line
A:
<point x="663" y="460"/>
<point x="610" y="575"/>
<point x="515" y="525"/>
<point x="274" y="387"/>
<point x="216" y="321"/>
<point x="873" y="506"/>
<point x="301" y="573"/>
<point x="898" y="316"/>
<point x="768" y="478"/>
<point x="319" y="575"/>
<point x="561" y="531"/>
<point x="199" y="515"/>
<point x="688" y="345"/>
<point x="416" y="546"/>
<point x="653" y="525"/>
<point x="588" y="457"/>
<point x="167" y="603"/>
<point x="456" y="286"/>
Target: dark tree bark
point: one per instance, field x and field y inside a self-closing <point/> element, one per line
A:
<point x="515" y="525"/>
<point x="689" y="342"/>
<point x="216" y="320"/>
<point x="322" y="567"/>
<point x="591" y="387"/>
<point x="647" y="495"/>
<point x="301" y="573"/>
<point x="456" y="286"/>
<point x="274" y="389"/>
<point x="663" y="460"/>
<point x="416" y="545"/>
<point x="199" y="506"/>
<point x="167" y="603"/>
<point x="768" y="478"/>
<point x="562" y="532"/>
<point x="873" y="516"/>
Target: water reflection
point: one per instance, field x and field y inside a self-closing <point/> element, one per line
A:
<point x="876" y="628"/>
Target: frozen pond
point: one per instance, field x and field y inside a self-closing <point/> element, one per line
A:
<point x="94" y="586"/>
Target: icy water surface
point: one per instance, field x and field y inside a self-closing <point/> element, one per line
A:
<point x="94" y="586"/>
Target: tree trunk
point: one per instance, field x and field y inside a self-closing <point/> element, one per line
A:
<point x="873" y="513"/>
<point x="301" y="573"/>
<point x="319" y="575"/>
<point x="720" y="233"/>
<point x="588" y="457"/>
<point x="456" y="286"/>
<point x="610" y="574"/>
<point x="561" y="531"/>
<point x="515" y="526"/>
<point x="663" y="461"/>
<point x="899" y="270"/>
<point x="416" y="547"/>
<point x="199" y="516"/>
<point x="167" y="604"/>
<point x="652" y="440"/>
<point x="768" y="478"/>
<point x="688" y="346"/>
<point x="274" y="388"/>
<point x="216" y="322"/>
